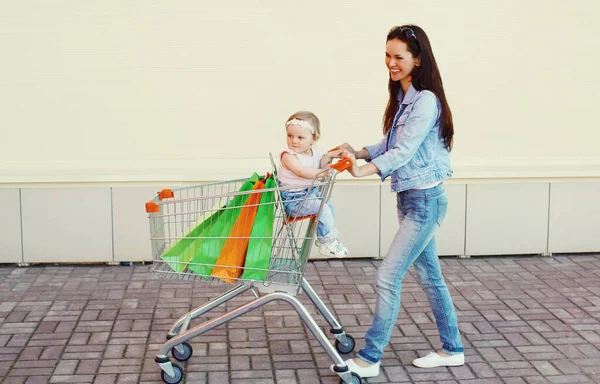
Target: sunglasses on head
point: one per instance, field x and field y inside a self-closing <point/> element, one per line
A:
<point x="407" y="32"/>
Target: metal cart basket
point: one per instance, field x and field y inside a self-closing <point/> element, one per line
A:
<point x="186" y="245"/>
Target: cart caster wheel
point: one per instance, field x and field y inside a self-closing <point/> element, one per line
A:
<point x="355" y="379"/>
<point x="185" y="355"/>
<point x="345" y="348"/>
<point x="177" y="377"/>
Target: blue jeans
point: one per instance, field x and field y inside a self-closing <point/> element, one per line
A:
<point x="420" y="212"/>
<point x="306" y="203"/>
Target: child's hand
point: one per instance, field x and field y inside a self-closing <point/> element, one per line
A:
<point x="336" y="153"/>
<point x="327" y="159"/>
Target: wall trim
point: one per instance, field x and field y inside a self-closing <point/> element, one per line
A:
<point x="197" y="170"/>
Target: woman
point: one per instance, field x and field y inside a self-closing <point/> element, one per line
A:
<point x="415" y="151"/>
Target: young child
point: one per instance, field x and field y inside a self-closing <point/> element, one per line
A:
<point x="301" y="163"/>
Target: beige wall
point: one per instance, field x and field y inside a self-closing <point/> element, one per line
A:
<point x="148" y="90"/>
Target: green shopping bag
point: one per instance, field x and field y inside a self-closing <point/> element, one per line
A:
<point x="258" y="256"/>
<point x="209" y="247"/>
<point x="179" y="256"/>
<point x="229" y="265"/>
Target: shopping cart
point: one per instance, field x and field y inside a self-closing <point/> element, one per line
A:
<point x="181" y="221"/>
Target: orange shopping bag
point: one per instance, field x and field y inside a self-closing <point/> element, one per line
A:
<point x="230" y="264"/>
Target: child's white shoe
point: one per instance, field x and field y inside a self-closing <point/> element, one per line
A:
<point x="333" y="248"/>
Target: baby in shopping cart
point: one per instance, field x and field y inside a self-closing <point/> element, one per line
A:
<point x="301" y="163"/>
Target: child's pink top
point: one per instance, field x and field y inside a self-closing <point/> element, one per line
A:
<point x="287" y="177"/>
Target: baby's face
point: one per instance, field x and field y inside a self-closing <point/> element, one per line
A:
<point x="299" y="139"/>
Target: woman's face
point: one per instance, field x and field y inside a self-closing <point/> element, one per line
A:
<point x="399" y="60"/>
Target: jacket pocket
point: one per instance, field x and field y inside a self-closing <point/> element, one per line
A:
<point x="419" y="158"/>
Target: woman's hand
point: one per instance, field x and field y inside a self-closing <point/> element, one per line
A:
<point x="354" y="171"/>
<point x="363" y="170"/>
<point x="348" y="148"/>
<point x="360" y="154"/>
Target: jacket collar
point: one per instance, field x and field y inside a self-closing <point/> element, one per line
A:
<point x="410" y="95"/>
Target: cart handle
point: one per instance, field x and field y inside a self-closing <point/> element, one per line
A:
<point x="343" y="164"/>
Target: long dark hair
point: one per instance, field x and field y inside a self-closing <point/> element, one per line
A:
<point x="424" y="77"/>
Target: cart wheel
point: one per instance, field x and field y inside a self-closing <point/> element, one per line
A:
<point x="355" y="379"/>
<point x="178" y="375"/>
<point x="186" y="354"/>
<point x="345" y="348"/>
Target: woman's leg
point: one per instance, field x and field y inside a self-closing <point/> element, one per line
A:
<point x="430" y="276"/>
<point x="418" y="222"/>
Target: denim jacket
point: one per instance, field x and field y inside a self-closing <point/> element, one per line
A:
<point x="412" y="152"/>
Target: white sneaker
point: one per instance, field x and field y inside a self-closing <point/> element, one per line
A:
<point x="370" y="371"/>
<point x="433" y="360"/>
<point x="334" y="248"/>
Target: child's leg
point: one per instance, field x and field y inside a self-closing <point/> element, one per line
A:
<point x="326" y="230"/>
<point x="327" y="233"/>
<point x="300" y="204"/>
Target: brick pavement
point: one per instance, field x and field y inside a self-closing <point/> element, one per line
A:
<point x="524" y="320"/>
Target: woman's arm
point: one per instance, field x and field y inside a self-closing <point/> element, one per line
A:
<point x="361" y="153"/>
<point x="366" y="170"/>
<point x="420" y="121"/>
<point x="362" y="171"/>
<point x="292" y="163"/>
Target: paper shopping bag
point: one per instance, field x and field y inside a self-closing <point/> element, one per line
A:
<point x="229" y="265"/>
<point x="207" y="248"/>
<point x="258" y="257"/>
<point x="178" y="257"/>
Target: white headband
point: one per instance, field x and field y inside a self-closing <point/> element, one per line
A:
<point x="301" y="123"/>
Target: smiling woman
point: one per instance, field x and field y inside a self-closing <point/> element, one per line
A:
<point x="415" y="152"/>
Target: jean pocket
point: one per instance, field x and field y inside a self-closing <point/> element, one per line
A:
<point x="442" y="209"/>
